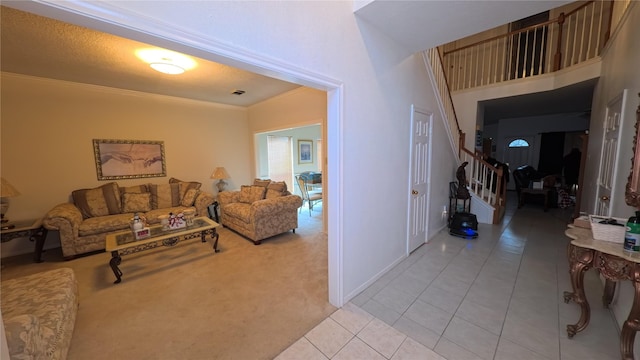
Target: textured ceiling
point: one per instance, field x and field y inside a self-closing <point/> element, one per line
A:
<point x="39" y="46"/>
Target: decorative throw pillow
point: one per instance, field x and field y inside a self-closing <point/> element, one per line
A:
<point x="273" y="194"/>
<point x="136" y="202"/>
<point x="135" y="189"/>
<point x="250" y="194"/>
<point x="100" y="201"/>
<point x="186" y="186"/>
<point x="278" y="186"/>
<point x="165" y="195"/>
<point x="189" y="197"/>
<point x="276" y="189"/>
<point x="262" y="182"/>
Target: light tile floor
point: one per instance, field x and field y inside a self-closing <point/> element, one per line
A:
<point x="495" y="297"/>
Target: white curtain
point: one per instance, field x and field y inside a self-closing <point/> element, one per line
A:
<point x="280" y="161"/>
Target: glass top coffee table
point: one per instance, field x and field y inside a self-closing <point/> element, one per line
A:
<point x="124" y="242"/>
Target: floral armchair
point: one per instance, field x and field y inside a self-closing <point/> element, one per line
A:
<point x="260" y="211"/>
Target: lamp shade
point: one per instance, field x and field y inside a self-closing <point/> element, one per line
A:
<point x="6" y="189"/>
<point x="220" y="173"/>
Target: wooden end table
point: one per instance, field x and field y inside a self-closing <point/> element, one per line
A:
<point x="124" y="242"/>
<point x="31" y="229"/>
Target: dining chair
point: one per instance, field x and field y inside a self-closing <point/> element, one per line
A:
<point x="309" y="197"/>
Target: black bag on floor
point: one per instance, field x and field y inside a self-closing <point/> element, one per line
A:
<point x="464" y="219"/>
<point x="464" y="224"/>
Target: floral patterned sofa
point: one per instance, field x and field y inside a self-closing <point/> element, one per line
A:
<point x="84" y="224"/>
<point x="261" y="210"/>
<point x="39" y="314"/>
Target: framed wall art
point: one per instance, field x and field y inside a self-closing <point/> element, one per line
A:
<point x="129" y="159"/>
<point x="305" y="151"/>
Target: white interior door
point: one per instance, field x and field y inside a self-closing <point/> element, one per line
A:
<point x="419" y="178"/>
<point x="609" y="156"/>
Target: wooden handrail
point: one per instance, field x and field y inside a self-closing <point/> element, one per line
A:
<point x="483" y="181"/>
<point x="516" y="32"/>
<point x="579" y="8"/>
<point x="446" y="82"/>
<point x="571" y="38"/>
<point x="491" y="167"/>
<point x="510" y="33"/>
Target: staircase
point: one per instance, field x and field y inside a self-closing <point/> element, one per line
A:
<point x="578" y="34"/>
<point x="486" y="184"/>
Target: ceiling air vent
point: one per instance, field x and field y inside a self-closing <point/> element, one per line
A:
<point x="237" y="92"/>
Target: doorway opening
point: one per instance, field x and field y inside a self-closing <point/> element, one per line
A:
<point x="97" y="17"/>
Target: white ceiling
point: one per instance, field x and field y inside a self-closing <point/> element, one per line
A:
<point x="422" y="25"/>
<point x="40" y="46"/>
<point x="43" y="47"/>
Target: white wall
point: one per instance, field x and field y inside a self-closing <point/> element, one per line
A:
<point x="48" y="127"/>
<point x="303" y="110"/>
<point x="466" y="101"/>
<point x="378" y="79"/>
<point x="619" y="71"/>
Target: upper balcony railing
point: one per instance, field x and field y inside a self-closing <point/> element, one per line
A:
<point x="570" y="39"/>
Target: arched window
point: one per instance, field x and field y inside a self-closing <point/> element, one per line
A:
<point x="518" y="143"/>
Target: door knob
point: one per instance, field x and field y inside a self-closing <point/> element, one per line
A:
<point x="604" y="198"/>
<point x="414" y="192"/>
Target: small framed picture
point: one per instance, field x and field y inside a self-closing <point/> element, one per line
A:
<point x="305" y="151"/>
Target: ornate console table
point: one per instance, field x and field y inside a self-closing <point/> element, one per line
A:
<point x="614" y="264"/>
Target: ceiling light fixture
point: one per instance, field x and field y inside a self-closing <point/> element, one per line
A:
<point x="166" y="61"/>
<point x="167" y="68"/>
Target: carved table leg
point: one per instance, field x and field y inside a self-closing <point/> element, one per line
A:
<point x="609" y="290"/>
<point x="114" y="262"/>
<point x="39" y="235"/>
<point x="632" y="324"/>
<point x="579" y="264"/>
<point x="214" y="236"/>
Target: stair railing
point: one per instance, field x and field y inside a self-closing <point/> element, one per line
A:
<point x="484" y="179"/>
<point x="445" y="102"/>
<point x="570" y="39"/>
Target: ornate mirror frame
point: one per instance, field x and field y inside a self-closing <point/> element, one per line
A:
<point x="632" y="191"/>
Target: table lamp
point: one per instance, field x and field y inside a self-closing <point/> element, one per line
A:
<point x="220" y="173"/>
<point x="6" y="191"/>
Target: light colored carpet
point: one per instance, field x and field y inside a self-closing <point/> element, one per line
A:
<point x="187" y="302"/>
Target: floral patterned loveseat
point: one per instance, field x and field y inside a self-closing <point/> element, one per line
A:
<point x="261" y="210"/>
<point x="39" y="314"/>
<point x="84" y="224"/>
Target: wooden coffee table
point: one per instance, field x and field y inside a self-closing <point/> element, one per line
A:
<point x="124" y="242"/>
